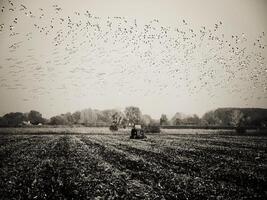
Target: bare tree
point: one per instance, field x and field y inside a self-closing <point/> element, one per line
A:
<point x="88" y="116"/>
<point x="133" y="114"/>
<point x="236" y="118"/>
<point x="164" y="120"/>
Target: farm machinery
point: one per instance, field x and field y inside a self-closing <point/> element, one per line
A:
<point x="137" y="132"/>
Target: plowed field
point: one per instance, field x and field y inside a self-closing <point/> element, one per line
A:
<point x="174" y="166"/>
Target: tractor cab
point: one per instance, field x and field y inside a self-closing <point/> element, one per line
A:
<point x="137" y="132"/>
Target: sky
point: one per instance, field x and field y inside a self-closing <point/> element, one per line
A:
<point x="164" y="56"/>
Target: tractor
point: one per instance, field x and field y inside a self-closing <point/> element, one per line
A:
<point x="137" y="132"/>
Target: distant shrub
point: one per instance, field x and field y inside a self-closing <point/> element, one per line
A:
<point x="35" y="117"/>
<point x="3" y="122"/>
<point x="113" y="127"/>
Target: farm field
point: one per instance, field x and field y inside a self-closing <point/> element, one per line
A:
<point x="106" y="166"/>
<point x="99" y="131"/>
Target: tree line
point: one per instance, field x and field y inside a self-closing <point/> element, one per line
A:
<point x="132" y="115"/>
<point x="88" y="117"/>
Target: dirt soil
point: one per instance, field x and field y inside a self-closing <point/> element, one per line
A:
<point x="193" y="166"/>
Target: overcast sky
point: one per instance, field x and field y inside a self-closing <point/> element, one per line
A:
<point x="164" y="56"/>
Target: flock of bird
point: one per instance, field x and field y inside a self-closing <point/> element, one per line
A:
<point x="47" y="50"/>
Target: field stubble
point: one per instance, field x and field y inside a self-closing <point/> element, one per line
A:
<point x="105" y="166"/>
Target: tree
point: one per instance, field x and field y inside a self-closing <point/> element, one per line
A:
<point x="210" y="118"/>
<point x="164" y="120"/>
<point x="76" y="116"/>
<point x="237" y="118"/>
<point x="133" y="114"/>
<point x="146" y="120"/>
<point x="116" y="118"/>
<point x="195" y="120"/>
<point x="69" y="118"/>
<point x="124" y="122"/>
<point x="58" y="120"/>
<point x="88" y="116"/>
<point x="35" y="117"/>
<point x="3" y="122"/>
<point x="177" y="119"/>
<point x="111" y="116"/>
<point x="14" y="119"/>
